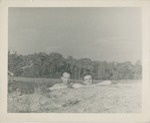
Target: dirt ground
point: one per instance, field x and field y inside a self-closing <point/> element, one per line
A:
<point x="114" y="98"/>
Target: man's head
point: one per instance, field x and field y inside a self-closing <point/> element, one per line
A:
<point x="87" y="79"/>
<point x="65" y="77"/>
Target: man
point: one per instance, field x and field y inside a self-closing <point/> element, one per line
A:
<point x="65" y="77"/>
<point x="87" y="79"/>
<point x="88" y="82"/>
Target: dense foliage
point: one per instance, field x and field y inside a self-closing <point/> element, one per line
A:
<point x="51" y="65"/>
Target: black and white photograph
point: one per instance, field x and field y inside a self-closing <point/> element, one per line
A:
<point x="74" y="60"/>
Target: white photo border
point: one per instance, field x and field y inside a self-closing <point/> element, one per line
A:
<point x="75" y="117"/>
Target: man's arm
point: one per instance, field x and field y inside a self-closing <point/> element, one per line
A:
<point x="77" y="85"/>
<point x="57" y="86"/>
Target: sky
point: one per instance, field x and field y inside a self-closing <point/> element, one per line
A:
<point x="100" y="33"/>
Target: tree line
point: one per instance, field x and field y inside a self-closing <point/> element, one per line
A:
<point x="51" y="65"/>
